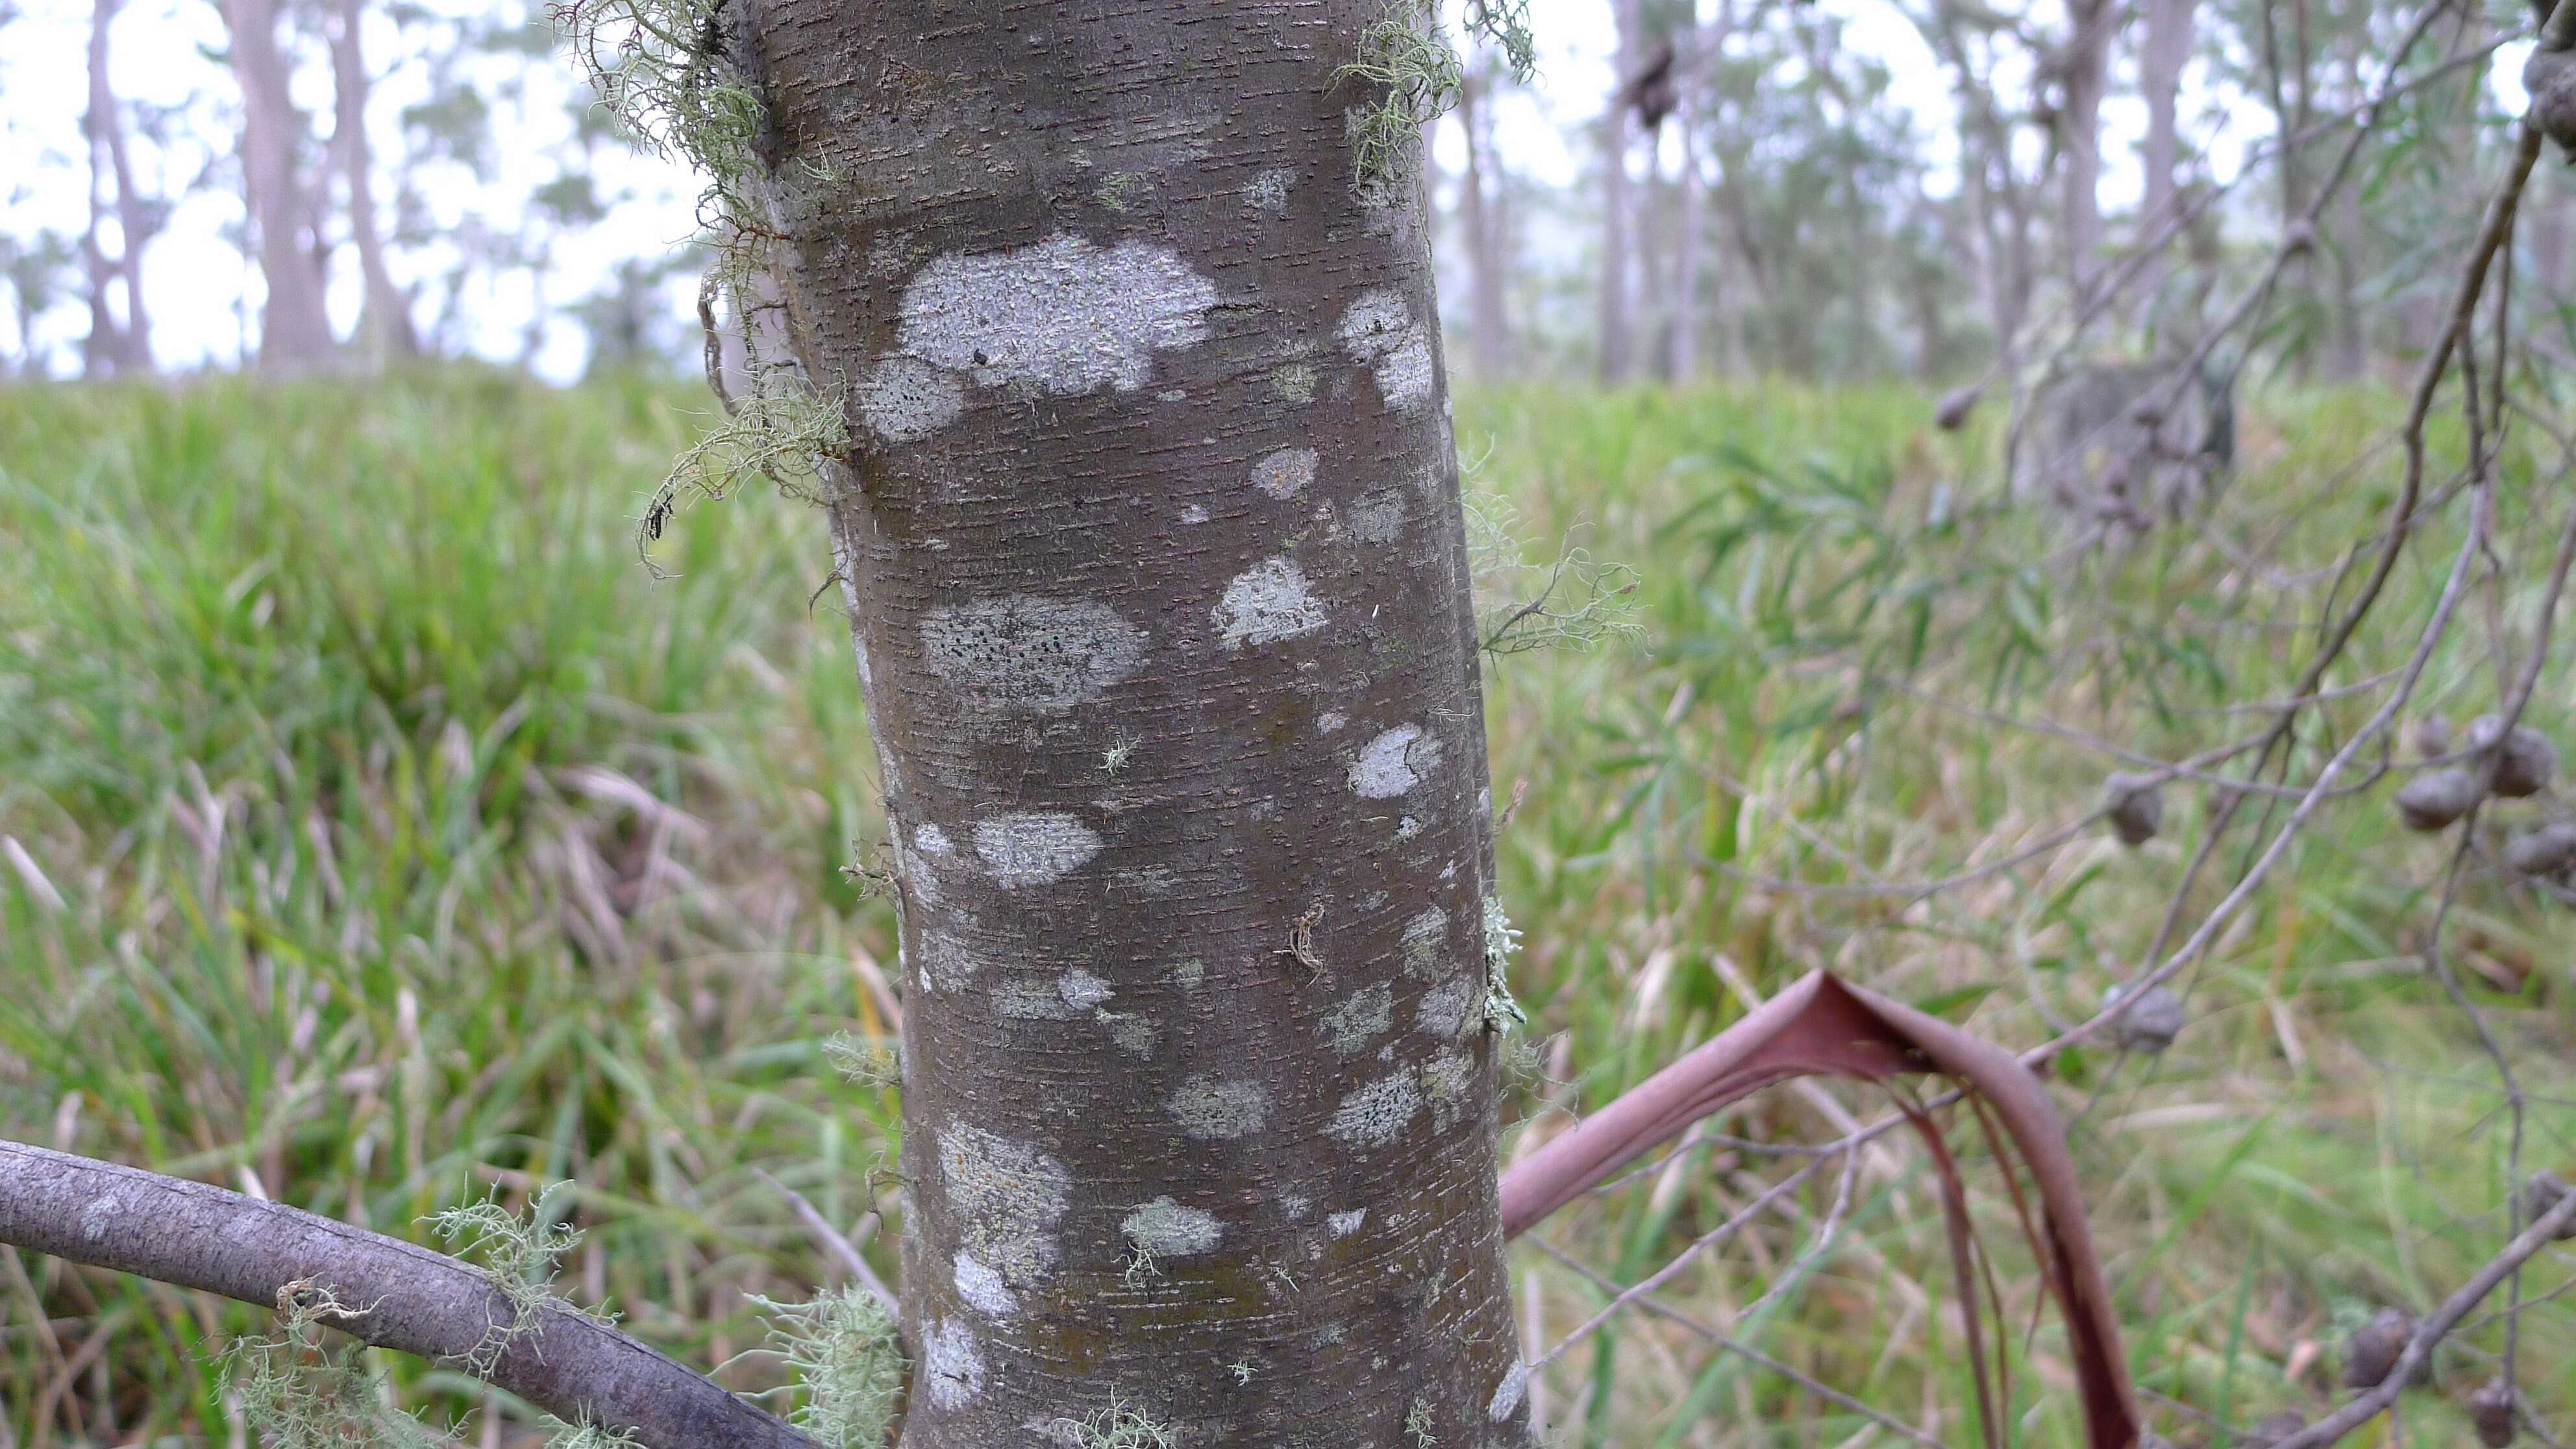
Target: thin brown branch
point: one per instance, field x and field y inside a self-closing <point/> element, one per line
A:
<point x="567" y="1363"/>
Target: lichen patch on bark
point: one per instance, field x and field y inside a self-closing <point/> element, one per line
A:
<point x="1065" y="315"/>
<point x="1285" y="473"/>
<point x="1381" y="332"/>
<point x="1394" y="762"/>
<point x="1374" y="1115"/>
<point x="1033" y="847"/>
<point x="1267" y="603"/>
<point x="1031" y="651"/>
<point x="1211" y="1108"/>
<point x="1007" y="1198"/>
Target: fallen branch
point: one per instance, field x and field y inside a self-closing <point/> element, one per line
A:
<point x="404" y="1296"/>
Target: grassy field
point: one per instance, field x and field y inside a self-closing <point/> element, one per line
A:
<point x="383" y="835"/>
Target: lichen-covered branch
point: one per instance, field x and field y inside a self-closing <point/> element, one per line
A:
<point x="385" y="1291"/>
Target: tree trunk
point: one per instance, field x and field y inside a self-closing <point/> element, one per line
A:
<point x="1689" y="222"/>
<point x="1480" y="208"/>
<point x="295" y="327"/>
<point x="115" y="344"/>
<point x="384" y="326"/>
<point x="2160" y="65"/>
<point x="1158" y="585"/>
<point x="1615" y="324"/>
<point x="2084" y="69"/>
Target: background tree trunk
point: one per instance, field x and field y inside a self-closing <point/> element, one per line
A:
<point x="2084" y="70"/>
<point x="295" y="326"/>
<point x="1157" y="574"/>
<point x="1480" y="217"/>
<point x="116" y="344"/>
<point x="384" y="327"/>
<point x="1616" y="323"/>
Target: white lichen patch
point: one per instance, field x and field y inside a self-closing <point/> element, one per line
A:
<point x="1188" y="974"/>
<point x="1296" y="1206"/>
<point x="1445" y="1008"/>
<point x="1448" y="1083"/>
<point x="1394" y="762"/>
<point x="1343" y="1224"/>
<point x="1210" y="1108"/>
<point x="1407" y="828"/>
<point x="1368" y="1013"/>
<point x="1508" y="1394"/>
<point x="1284" y="474"/>
<point x="1006" y="1198"/>
<point x="98" y="1215"/>
<point x="1194" y="513"/>
<point x="945" y="963"/>
<point x="1065" y="315"/>
<point x="1374" y="1115"/>
<point x="1082" y="990"/>
<point x="1032" y="847"/>
<point x="1267" y="603"/>
<point x="983" y="1289"/>
<point x="931" y="840"/>
<point x="1378" y="515"/>
<point x="1380" y="331"/>
<point x="1165" y="1229"/>
<point x="1129" y="1031"/>
<point x="1032" y="998"/>
<point x="1331" y="720"/>
<point x="1293" y="383"/>
<point x="1268" y="190"/>
<point x="953" y="1364"/>
<point x="1029" y="651"/>
<point x="1426" y="940"/>
<point x="904" y="399"/>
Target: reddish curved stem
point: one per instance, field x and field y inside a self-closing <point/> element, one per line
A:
<point x="1825" y="1025"/>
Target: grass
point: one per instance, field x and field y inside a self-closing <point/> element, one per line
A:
<point x="404" y="843"/>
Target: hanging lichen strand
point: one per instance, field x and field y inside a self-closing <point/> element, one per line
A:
<point x="661" y="68"/>
<point x="1408" y="64"/>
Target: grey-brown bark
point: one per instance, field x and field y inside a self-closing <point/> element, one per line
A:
<point x="1157" y="573"/>
<point x="295" y="328"/>
<point x="384" y="325"/>
<point x="417" y="1301"/>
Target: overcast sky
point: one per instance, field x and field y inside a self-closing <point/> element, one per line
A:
<point x="199" y="288"/>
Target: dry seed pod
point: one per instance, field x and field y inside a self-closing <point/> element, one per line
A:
<point x="2432" y="801"/>
<point x="2491" y="1410"/>
<point x="1952" y="414"/>
<point x="2150" y="1023"/>
<point x="2137" y="807"/>
<point x="2274" y="1429"/>
<point x="2527" y="761"/>
<point x="2546" y="851"/>
<point x="2432" y="736"/>
<point x="2541" y="1193"/>
<point x="2371" y="1354"/>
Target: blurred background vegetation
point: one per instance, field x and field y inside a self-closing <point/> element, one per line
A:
<point x="381" y="835"/>
<point x="377" y="834"/>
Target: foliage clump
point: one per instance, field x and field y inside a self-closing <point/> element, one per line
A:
<point x="298" y="1392"/>
<point x="783" y="431"/>
<point x="1501" y="1011"/>
<point x="1577" y="602"/>
<point x="1407" y="60"/>
<point x="843" y="1348"/>
<point x="659" y="67"/>
<point x="518" y="1259"/>
<point x="1121" y="1425"/>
